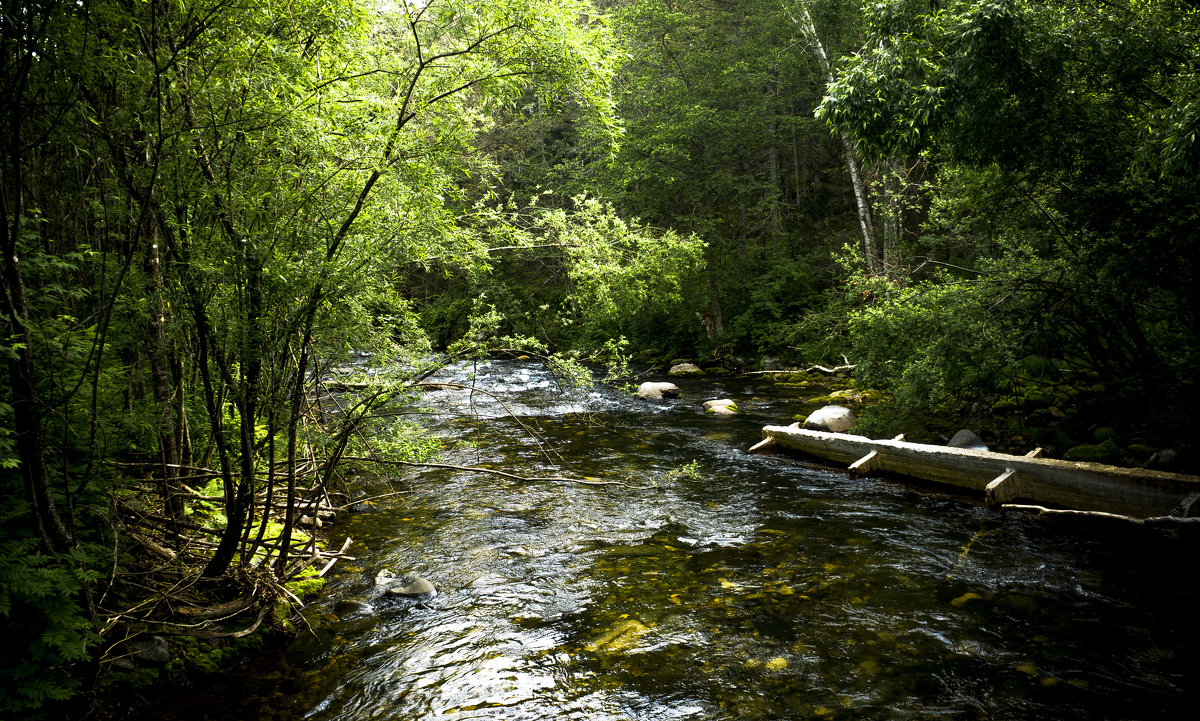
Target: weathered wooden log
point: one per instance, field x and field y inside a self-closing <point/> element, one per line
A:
<point x="1002" y="478"/>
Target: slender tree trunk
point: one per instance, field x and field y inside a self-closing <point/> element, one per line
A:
<point x="297" y="398"/>
<point x="799" y="173"/>
<point x="777" y="190"/>
<point x="160" y="377"/>
<point x="869" y="244"/>
<point x="714" y="321"/>
<point x="27" y="417"/>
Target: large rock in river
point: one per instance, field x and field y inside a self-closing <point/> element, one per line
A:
<point x="835" y="419"/>
<point x="685" y="369"/>
<point x="721" y="407"/>
<point x="967" y="439"/>
<point x="656" y="391"/>
<point x="413" y="587"/>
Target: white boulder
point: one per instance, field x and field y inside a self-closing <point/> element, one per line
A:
<point x="834" y="419"/>
<point x="721" y="407"/>
<point x="656" y="391"/>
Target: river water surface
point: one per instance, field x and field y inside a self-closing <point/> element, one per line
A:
<point x="753" y="587"/>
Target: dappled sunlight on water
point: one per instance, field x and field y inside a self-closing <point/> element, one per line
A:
<point x="762" y="588"/>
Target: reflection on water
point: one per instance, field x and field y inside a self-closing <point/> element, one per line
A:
<point x="767" y="588"/>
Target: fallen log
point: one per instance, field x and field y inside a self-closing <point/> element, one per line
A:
<point x="220" y="610"/>
<point x="1003" y="478"/>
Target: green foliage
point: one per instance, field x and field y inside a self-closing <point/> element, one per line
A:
<point x="689" y="471"/>
<point x="936" y="345"/>
<point x="773" y="299"/>
<point x="619" y="269"/>
<point x="47" y="632"/>
<point x="226" y="200"/>
<point x="575" y="277"/>
<point x="1057" y="134"/>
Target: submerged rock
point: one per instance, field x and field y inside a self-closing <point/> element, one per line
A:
<point x="621" y="637"/>
<point x="353" y="607"/>
<point x="835" y="419"/>
<point x="657" y="391"/>
<point x="413" y="587"/>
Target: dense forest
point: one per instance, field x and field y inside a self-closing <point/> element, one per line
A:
<point x="220" y="216"/>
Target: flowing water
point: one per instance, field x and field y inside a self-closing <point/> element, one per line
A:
<point x="756" y="587"/>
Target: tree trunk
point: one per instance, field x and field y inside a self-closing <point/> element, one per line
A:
<point x="27" y="417"/>
<point x="160" y="377"/>
<point x="869" y="244"/>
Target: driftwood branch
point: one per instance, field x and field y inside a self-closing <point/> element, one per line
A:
<point x="1154" y="521"/>
<point x="823" y="369"/>
<point x="220" y="610"/>
<point x="153" y="546"/>
<point x="262" y="614"/>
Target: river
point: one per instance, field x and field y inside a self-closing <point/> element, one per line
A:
<point x="721" y="585"/>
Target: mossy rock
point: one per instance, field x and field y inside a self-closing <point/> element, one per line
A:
<point x="307" y="584"/>
<point x="801" y="384"/>
<point x="1035" y="399"/>
<point x="717" y="371"/>
<point x="1104" y="433"/>
<point x="1056" y="437"/>
<point x="824" y="400"/>
<point x="1141" y="451"/>
<point x="866" y="396"/>
<point x="1097" y="453"/>
<point x="685" y="369"/>
<point x="1007" y="404"/>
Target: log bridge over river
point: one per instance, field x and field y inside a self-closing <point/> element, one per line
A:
<point x="1057" y="487"/>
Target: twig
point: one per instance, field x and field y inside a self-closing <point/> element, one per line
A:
<point x="1152" y="521"/>
<point x="334" y="560"/>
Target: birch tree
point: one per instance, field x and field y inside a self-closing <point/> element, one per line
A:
<point x="870" y="248"/>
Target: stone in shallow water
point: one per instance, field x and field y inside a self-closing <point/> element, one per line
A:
<point x="414" y="587"/>
<point x="685" y="369"/>
<point x="657" y="391"/>
<point x="623" y="635"/>
<point x="353" y="607"/>
<point x="721" y="407"/>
